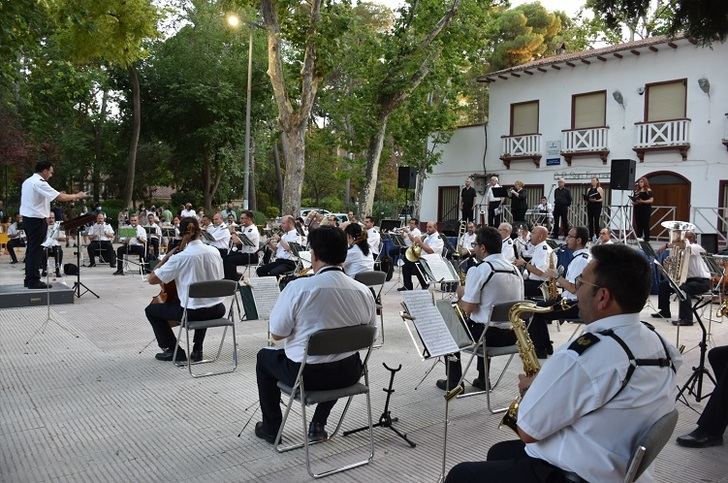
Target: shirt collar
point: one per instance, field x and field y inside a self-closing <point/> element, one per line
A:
<point x="495" y="256"/>
<point x="293" y="231"/>
<point x="580" y="251"/>
<point x="613" y="322"/>
<point x="195" y="242"/>
<point x="542" y="243"/>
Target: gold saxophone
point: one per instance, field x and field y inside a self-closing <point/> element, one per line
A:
<point x="723" y="309"/>
<point x="549" y="290"/>
<point x="531" y="366"/>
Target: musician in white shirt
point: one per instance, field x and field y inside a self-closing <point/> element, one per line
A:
<point x="135" y="245"/>
<point x="410" y="230"/>
<point x="359" y="256"/>
<point x="466" y="244"/>
<point x="240" y="253"/>
<point x="605" y="237"/>
<point x="154" y="233"/>
<point x="188" y="211"/>
<point x="540" y="262"/>
<point x="221" y="233"/>
<point x="101" y="235"/>
<point x="16" y="237"/>
<point x="373" y="236"/>
<point x="508" y="251"/>
<point x="430" y="243"/>
<point x="284" y="261"/>
<point x="522" y="244"/>
<point x="54" y="237"/>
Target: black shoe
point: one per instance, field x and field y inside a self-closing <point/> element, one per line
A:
<point x="316" y="432"/>
<point x="167" y="355"/>
<point x="682" y="323"/>
<point x="92" y="265"/>
<point x="119" y="272"/>
<point x="112" y="265"/>
<point x="43" y="273"/>
<point x="196" y="356"/>
<point x="58" y="272"/>
<point x="661" y="315"/>
<point x="479" y="383"/>
<point x="38" y="285"/>
<point x="442" y="384"/>
<point x="542" y="354"/>
<point x="402" y="289"/>
<point x="268" y="437"/>
<point x="699" y="439"/>
<point x="13" y="262"/>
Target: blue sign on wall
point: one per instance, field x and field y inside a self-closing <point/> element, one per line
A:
<point x="553" y="161"/>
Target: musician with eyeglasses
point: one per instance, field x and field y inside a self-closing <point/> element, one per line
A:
<point x="582" y="413"/>
<point x="430" y="243"/>
<point x="101" y="234"/>
<point x="241" y="253"/>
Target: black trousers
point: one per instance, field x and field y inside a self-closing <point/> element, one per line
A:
<point x="273" y="269"/>
<point x="233" y="260"/>
<point x="539" y="331"/>
<point x="467" y="213"/>
<point x="692" y="286"/>
<point x="127" y="249"/>
<point x="494" y="337"/>
<point x="593" y="212"/>
<point x="159" y="314"/>
<point x="493" y="219"/>
<point x="56" y="253"/>
<point x="14" y="243"/>
<point x="153" y="245"/>
<point x="507" y="461"/>
<point x="272" y="366"/>
<point x="409" y="269"/>
<point x="642" y="215"/>
<point x="561" y="218"/>
<point x="519" y="214"/>
<point x="714" y="418"/>
<point x="36" y="230"/>
<point x="103" y="248"/>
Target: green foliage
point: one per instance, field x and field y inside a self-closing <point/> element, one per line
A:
<point x="271" y="212"/>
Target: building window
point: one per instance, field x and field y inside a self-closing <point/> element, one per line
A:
<point x="589" y="110"/>
<point x="666" y="101"/>
<point x="524" y="118"/>
<point x="448" y="203"/>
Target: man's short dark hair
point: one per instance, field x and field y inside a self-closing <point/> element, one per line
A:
<point x="490" y="238"/>
<point x="329" y="243"/>
<point x="415" y="220"/>
<point x="369" y="218"/>
<point x="42" y="165"/>
<point x="625" y="273"/>
<point x="249" y="214"/>
<point x="583" y="233"/>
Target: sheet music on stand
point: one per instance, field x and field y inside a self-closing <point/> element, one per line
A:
<point x="430" y="325"/>
<point x="438" y="269"/>
<point x="265" y="293"/>
<point x="168" y="232"/>
<point x="295" y="248"/>
<point x="245" y="240"/>
<point x="305" y="258"/>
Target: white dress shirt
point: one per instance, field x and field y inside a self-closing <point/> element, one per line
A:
<point x="357" y="262"/>
<point x="373" y="238"/>
<point x="507" y="250"/>
<point x="186" y="213"/>
<point x="196" y="263"/>
<point x="36" y="196"/>
<point x="697" y="268"/>
<point x="327" y="300"/>
<point x="140" y="238"/>
<point x="525" y="248"/>
<point x="435" y="242"/>
<point x="290" y="237"/>
<point x="415" y="233"/>
<point x="221" y="234"/>
<point x="53" y="235"/>
<point x="577" y="265"/>
<point x="253" y="235"/>
<point x="467" y="241"/>
<point x="569" y="407"/>
<point x="541" y="258"/>
<point x="102" y="232"/>
<point x="14" y="233"/>
<point x="485" y="290"/>
<point x="156" y="229"/>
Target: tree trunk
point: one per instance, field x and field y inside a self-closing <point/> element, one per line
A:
<point x="421" y="177"/>
<point x="295" y="147"/>
<point x="374" y="152"/>
<point x="279" y="176"/>
<point x="136" y="123"/>
<point x="253" y="205"/>
<point x="96" y="168"/>
<point x="207" y="196"/>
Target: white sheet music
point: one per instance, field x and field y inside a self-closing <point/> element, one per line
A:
<point x="439" y="267"/>
<point x="305" y="258"/>
<point x="265" y="292"/>
<point x="429" y="323"/>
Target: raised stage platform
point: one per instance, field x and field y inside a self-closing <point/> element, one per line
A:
<point x="18" y="296"/>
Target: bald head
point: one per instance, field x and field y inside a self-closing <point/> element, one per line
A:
<point x="539" y="234"/>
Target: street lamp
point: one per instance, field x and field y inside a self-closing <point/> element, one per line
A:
<point x="233" y="21"/>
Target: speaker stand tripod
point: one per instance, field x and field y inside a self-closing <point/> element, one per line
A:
<point x="386" y="419"/>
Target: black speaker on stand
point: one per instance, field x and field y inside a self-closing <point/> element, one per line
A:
<point x="622" y="174"/>
<point x="406" y="179"/>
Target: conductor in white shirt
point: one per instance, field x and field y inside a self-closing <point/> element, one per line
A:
<point x="327" y="300"/>
<point x="35" y="207"/>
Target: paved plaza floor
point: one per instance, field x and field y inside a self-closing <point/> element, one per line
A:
<point x="79" y="402"/>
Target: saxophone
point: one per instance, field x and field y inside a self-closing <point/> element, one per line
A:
<point x="549" y="290"/>
<point x="531" y="366"/>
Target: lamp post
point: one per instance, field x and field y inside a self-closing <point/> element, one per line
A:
<point x="233" y="21"/>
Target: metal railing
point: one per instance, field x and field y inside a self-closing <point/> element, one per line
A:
<point x="714" y="217"/>
<point x="585" y="140"/>
<point x="526" y="145"/>
<point x="662" y="133"/>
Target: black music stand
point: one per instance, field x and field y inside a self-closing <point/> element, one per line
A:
<point x="696" y="378"/>
<point x="76" y="223"/>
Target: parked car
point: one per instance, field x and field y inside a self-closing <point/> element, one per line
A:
<point x="342" y="217"/>
<point x="304" y="211"/>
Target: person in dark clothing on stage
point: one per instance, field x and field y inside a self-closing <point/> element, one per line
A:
<point x="467" y="201"/>
<point x="562" y="201"/>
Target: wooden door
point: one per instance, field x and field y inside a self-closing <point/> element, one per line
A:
<point x="669" y="189"/>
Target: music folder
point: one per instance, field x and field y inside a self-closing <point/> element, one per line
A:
<point x="499" y="192"/>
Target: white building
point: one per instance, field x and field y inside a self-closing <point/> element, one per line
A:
<point x="661" y="102"/>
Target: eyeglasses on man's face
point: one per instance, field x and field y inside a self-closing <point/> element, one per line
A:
<point x="579" y="281"/>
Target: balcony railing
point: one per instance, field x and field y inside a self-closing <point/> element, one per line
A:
<point x="526" y="146"/>
<point x="584" y="142"/>
<point x="662" y="136"/>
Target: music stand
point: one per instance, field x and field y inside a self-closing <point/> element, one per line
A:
<point x="169" y="232"/>
<point x="67" y="226"/>
<point x="696" y="378"/>
<point x="499" y="192"/>
<point x="389" y="225"/>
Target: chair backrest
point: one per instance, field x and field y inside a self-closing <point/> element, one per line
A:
<point x="500" y="311"/>
<point x="650" y="444"/>
<point x="344" y="339"/>
<point x="371" y="278"/>
<point x="212" y="289"/>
